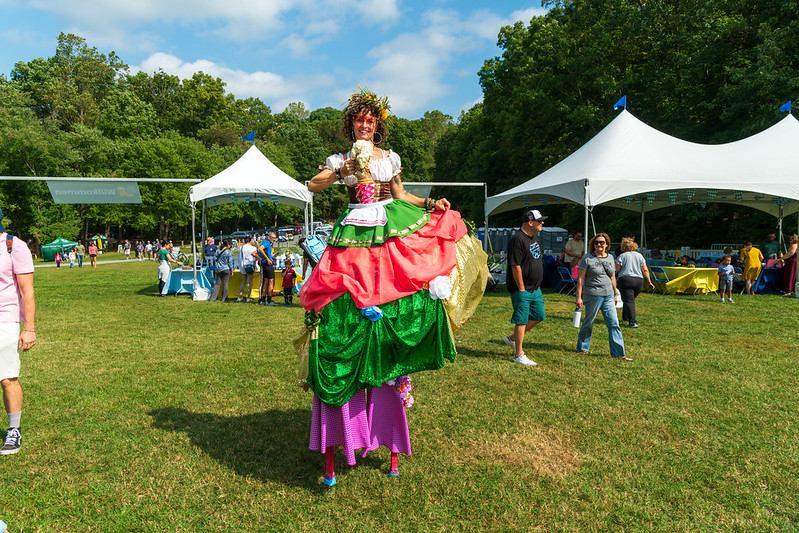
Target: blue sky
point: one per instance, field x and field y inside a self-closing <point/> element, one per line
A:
<point x="423" y="54"/>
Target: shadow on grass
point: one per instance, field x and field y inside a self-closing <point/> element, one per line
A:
<point x="503" y="351"/>
<point x="149" y="290"/>
<point x="272" y="445"/>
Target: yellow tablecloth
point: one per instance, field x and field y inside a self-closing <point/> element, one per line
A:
<point x="691" y="280"/>
<point x="235" y="284"/>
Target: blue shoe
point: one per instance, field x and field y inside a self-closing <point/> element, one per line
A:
<point x="393" y="473"/>
<point x="329" y="481"/>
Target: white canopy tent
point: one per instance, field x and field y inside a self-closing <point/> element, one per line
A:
<point x="634" y="166"/>
<point x="252" y="178"/>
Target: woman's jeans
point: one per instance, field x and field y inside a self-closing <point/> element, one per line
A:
<point x="629" y="287"/>
<point x="222" y="278"/>
<point x="591" y="307"/>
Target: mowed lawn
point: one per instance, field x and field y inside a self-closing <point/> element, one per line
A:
<point x="164" y="414"/>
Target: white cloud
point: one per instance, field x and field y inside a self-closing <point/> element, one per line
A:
<point x="297" y="45"/>
<point x="525" y="15"/>
<point x="377" y="10"/>
<point x="413" y="68"/>
<point x="256" y="20"/>
<point x="486" y="24"/>
<point x="274" y="89"/>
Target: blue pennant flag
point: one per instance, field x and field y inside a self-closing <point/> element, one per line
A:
<point x="786" y="106"/>
<point x="621" y="103"/>
<point x="249" y="137"/>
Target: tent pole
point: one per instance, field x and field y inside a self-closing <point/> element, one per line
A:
<point x="779" y="226"/>
<point x="204" y="223"/>
<point x="643" y="229"/>
<point x="194" y="246"/>
<point x="485" y="220"/>
<point x="310" y="214"/>
<point x="585" y="204"/>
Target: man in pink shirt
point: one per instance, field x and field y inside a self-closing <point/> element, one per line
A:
<point x="17" y="305"/>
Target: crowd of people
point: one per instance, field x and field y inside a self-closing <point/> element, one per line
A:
<point x="253" y="257"/>
<point x="604" y="281"/>
<point x="142" y="250"/>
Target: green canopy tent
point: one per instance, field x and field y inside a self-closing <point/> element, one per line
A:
<point x="59" y="245"/>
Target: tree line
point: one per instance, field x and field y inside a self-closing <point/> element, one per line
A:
<point x="81" y="113"/>
<point x="707" y="71"/>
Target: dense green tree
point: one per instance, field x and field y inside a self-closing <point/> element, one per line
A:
<point x="164" y="205"/>
<point x="161" y="91"/>
<point x="297" y="109"/>
<point x="705" y="71"/>
<point x="71" y="85"/>
<point x="123" y="114"/>
<point x="203" y="104"/>
<point x="251" y="115"/>
<point x="327" y="122"/>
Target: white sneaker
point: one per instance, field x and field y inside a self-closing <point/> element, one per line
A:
<point x="722" y="301"/>
<point x="731" y="301"/>
<point x="524" y="360"/>
<point x="510" y="342"/>
<point x="239" y="299"/>
<point x="247" y="300"/>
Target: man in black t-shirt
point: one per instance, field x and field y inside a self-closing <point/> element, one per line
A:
<point x="525" y="273"/>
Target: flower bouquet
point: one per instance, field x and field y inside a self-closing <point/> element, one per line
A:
<point x="404" y="388"/>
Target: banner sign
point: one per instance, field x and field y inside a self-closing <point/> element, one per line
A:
<point x="106" y="191"/>
<point x="422" y="191"/>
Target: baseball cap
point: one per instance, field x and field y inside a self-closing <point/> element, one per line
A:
<point x="534" y="214"/>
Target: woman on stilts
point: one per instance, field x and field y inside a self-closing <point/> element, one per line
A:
<point x="398" y="276"/>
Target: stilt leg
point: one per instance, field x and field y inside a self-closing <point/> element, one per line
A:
<point x="330" y="474"/>
<point x="394" y="472"/>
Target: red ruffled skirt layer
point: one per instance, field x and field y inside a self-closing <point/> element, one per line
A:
<point x="398" y="268"/>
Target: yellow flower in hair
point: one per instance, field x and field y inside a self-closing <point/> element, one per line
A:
<point x="383" y="114"/>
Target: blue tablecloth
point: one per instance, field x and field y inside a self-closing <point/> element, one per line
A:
<point x="768" y="282"/>
<point x="181" y="280"/>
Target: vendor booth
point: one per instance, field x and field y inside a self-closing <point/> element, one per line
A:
<point x="252" y="178"/>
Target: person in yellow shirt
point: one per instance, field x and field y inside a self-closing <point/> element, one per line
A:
<point x="753" y="262"/>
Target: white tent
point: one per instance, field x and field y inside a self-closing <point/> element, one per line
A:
<point x="252" y="178"/>
<point x="634" y="166"/>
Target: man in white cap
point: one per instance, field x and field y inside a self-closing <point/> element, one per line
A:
<point x="16" y="305"/>
<point x="525" y="273"/>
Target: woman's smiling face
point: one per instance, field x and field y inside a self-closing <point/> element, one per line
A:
<point x="364" y="126"/>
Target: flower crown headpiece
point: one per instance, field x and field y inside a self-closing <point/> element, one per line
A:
<point x="365" y="96"/>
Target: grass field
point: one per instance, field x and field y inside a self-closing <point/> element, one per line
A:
<point x="164" y="414"/>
